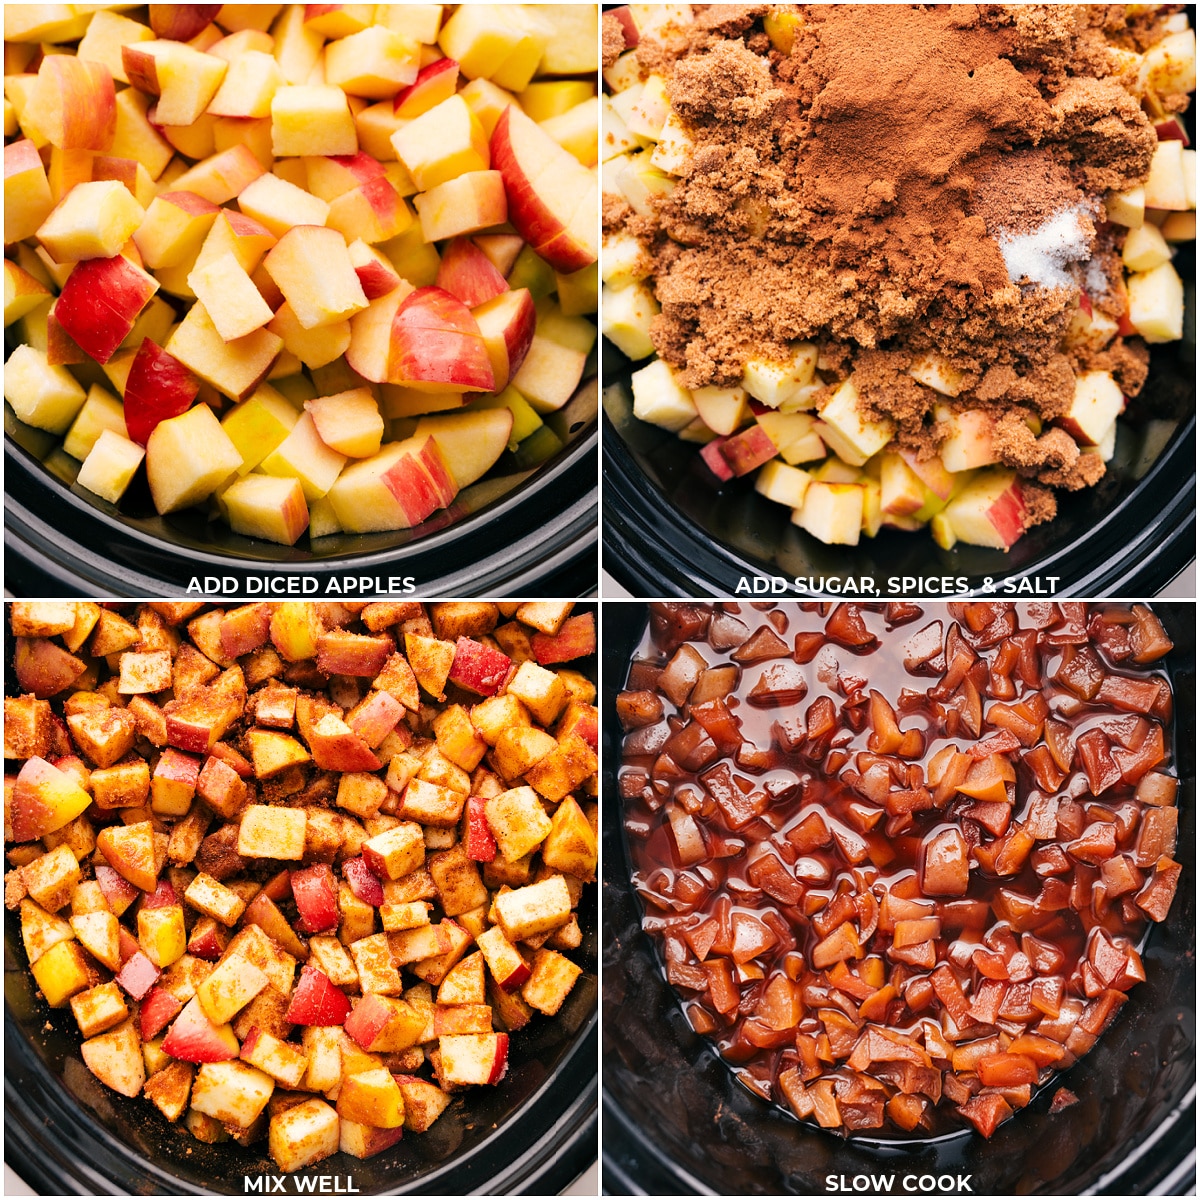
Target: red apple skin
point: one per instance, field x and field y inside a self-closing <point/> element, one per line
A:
<point x="500" y="1064"/>
<point x="530" y="216"/>
<point x="88" y="101"/>
<point x="435" y="340"/>
<point x="377" y="718"/>
<point x="468" y="274"/>
<point x="208" y="940"/>
<point x="481" y="842"/>
<point x="264" y="912"/>
<point x="478" y="668"/>
<point x="138" y="976"/>
<point x="715" y="460"/>
<point x="746" y="451"/>
<point x="376" y="279"/>
<point x="364" y="883"/>
<point x="513" y="317"/>
<point x="1007" y="515"/>
<point x="163" y="896"/>
<point x="181" y="22"/>
<point x="127" y="944"/>
<point x="362" y="166"/>
<point x="100" y="302"/>
<point x="61" y="347"/>
<point x="369" y="1017"/>
<point x="194" y="1039"/>
<point x="316" y="1001"/>
<point x="159" y="386"/>
<point x="118" y="892"/>
<point x="316" y="898"/>
<point x="30" y="816"/>
<point x="576" y="639"/>
<point x="428" y="77"/>
<point x="1172" y="130"/>
<point x="628" y="25"/>
<point x="158" y="1010"/>
<point x="413" y="489"/>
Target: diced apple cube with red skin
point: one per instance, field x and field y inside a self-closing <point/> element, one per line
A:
<point x="431" y="804"/>
<point x="209" y="939"/>
<point x="129" y="850"/>
<point x="336" y="747"/>
<point x="508" y="968"/>
<point x="232" y="1092"/>
<point x="396" y="851"/>
<point x="474" y="1058"/>
<point x="194" y="1038"/>
<point x="281" y="1060"/>
<point x="748" y="450"/>
<point x="478" y="668"/>
<point x="138" y="975"/>
<point x="364" y="882"/>
<point x="158" y="1009"/>
<point x="375" y="717"/>
<point x="373" y="960"/>
<point x="174" y="782"/>
<point x="44" y="799"/>
<point x="385" y="1024"/>
<point x="263" y="913"/>
<point x="315" y="892"/>
<point x="581" y="718"/>
<point x="119" y="893"/>
<point x="358" y="918"/>
<point x="303" y="1135"/>
<point x="538" y="908"/>
<point x="43" y="667"/>
<point x="372" y="1097"/>
<point x="275" y="706"/>
<point x="231" y="986"/>
<point x="213" y="898"/>
<point x="221" y="788"/>
<point x="478" y="836"/>
<point x="1096" y="404"/>
<point x="199" y="720"/>
<point x="342" y="653"/>
<point x="365" y="1141"/>
<point x="271" y="832"/>
<point x="434" y="969"/>
<point x="98" y="1008"/>
<point x="316" y="1001"/>
<point x="989" y="511"/>
<point x="98" y="933"/>
<point x="162" y="935"/>
<point x="51" y="878"/>
<point x="550" y="981"/>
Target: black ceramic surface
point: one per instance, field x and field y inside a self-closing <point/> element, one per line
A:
<point x="65" y="1133"/>
<point x="515" y="532"/>
<point x="677" y="1122"/>
<point x="670" y="528"/>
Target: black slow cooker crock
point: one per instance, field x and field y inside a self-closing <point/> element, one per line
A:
<point x="517" y="532"/>
<point x="677" y="1122"/>
<point x="672" y="529"/>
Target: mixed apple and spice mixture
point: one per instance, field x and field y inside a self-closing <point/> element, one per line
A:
<point x="215" y="277"/>
<point x="899" y="860"/>
<point x="299" y="870"/>
<point x="904" y="262"/>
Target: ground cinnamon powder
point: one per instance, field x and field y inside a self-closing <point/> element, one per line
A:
<point x="852" y="192"/>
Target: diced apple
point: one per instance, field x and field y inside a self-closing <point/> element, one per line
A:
<point x="989" y="511"/>
<point x="1156" y="303"/>
<point x="832" y="512"/>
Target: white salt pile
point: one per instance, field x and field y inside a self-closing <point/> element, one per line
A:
<point x="1043" y="256"/>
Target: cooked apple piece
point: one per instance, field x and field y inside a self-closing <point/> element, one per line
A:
<point x="303" y="1135"/>
<point x="233" y="1093"/>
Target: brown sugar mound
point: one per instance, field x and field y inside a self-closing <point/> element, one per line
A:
<point x="850" y="193"/>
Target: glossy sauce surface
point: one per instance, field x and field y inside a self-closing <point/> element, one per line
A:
<point x="898" y="858"/>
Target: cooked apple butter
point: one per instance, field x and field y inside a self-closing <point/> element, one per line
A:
<point x="899" y="859"/>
